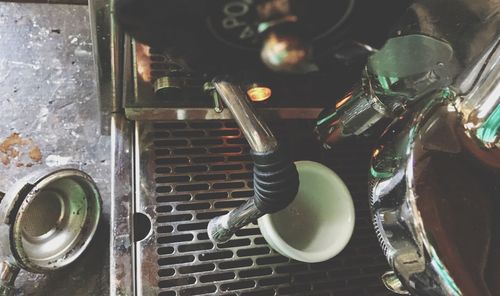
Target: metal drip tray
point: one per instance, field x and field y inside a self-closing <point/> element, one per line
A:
<point x="190" y="172"/>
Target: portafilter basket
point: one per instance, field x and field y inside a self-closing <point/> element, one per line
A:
<point x="47" y="220"/>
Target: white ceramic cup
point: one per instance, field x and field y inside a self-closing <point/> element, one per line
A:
<point x="319" y="223"/>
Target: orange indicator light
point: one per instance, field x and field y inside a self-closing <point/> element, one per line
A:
<point x="259" y="93"/>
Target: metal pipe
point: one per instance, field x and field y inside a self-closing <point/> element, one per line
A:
<point x="266" y="155"/>
<point x="222" y="228"/>
<point x="257" y="133"/>
<point x="260" y="139"/>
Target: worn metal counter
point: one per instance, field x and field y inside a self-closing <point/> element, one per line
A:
<point x="49" y="116"/>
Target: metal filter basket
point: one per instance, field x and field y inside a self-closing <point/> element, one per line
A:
<point x="47" y="220"/>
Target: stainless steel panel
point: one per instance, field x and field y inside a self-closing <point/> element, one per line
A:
<point x="162" y="113"/>
<point x="121" y="271"/>
<point x="190" y="172"/>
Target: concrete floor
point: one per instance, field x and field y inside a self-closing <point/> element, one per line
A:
<point x="48" y="95"/>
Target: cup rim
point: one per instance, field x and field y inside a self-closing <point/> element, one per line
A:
<point x="280" y="245"/>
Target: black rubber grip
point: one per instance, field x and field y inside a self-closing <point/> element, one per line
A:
<point x="276" y="180"/>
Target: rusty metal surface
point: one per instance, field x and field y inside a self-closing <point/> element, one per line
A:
<point x="49" y="117"/>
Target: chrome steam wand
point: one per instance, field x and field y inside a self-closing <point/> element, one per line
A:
<point x="276" y="179"/>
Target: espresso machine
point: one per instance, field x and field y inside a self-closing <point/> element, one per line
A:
<point x="401" y="98"/>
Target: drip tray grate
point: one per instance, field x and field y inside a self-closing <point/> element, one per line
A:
<point x="202" y="170"/>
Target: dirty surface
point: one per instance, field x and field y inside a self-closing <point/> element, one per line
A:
<point x="15" y="150"/>
<point x="49" y="117"/>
